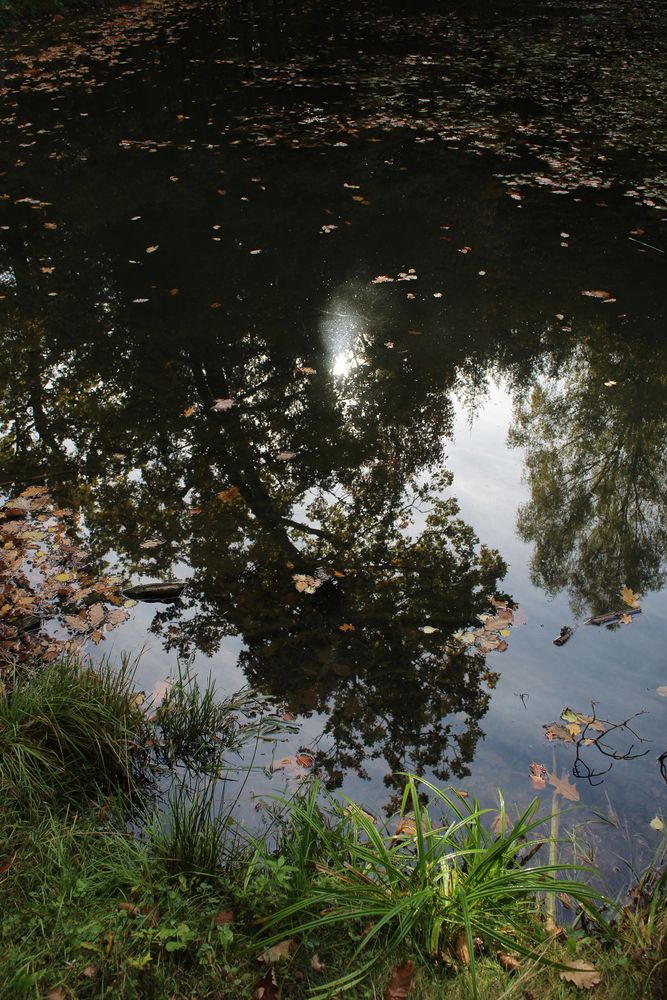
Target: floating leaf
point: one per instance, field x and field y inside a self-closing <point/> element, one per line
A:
<point x="222" y="404"/>
<point x="629" y="596"/>
<point x="563" y="786"/>
<point x="229" y="495"/>
<point x="662" y="691"/>
<point x="428" y="629"/>
<point x="96" y="614"/>
<point x="554" y="731"/>
<point x="306" y="584"/>
<point x="596" y="294"/>
<point x="657" y="824"/>
<point x="538" y="776"/>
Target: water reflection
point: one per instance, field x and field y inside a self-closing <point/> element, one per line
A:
<point x="342" y="291"/>
<point x="597" y="468"/>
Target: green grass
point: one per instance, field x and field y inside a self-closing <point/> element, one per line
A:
<point x="440" y="891"/>
<point x="69" y="734"/>
<point x="98" y="902"/>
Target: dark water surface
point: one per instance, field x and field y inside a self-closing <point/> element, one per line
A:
<point x="198" y="202"/>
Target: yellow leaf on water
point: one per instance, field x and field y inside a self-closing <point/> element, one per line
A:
<point x="657" y="824"/>
<point x="629" y="597"/>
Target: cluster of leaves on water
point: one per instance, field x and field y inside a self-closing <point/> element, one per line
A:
<point x="49" y="597"/>
<point x="520" y="87"/>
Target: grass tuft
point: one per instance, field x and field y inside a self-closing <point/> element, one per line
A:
<point x="69" y="734"/>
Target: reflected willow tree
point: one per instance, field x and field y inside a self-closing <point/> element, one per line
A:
<point x="596" y="463"/>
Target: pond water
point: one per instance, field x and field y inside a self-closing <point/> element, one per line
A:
<point x="416" y="254"/>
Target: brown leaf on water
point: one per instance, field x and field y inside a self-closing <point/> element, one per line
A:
<point x="117" y="616"/>
<point x="563" y="786"/>
<point x="76" y="623"/>
<point x="582" y="974"/>
<point x="267" y="987"/>
<point x="597" y="294"/>
<point x="229" y="495"/>
<point x="555" y="731"/>
<point x="219" y="405"/>
<point x="381" y="279"/>
<point x="538" y="775"/>
<point x="400" y="983"/>
<point x="188" y="411"/>
<point x="96" y="614"/>
<point x="346" y="627"/>
<point x="277" y="952"/>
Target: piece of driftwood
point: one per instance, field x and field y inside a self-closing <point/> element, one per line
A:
<point x="170" y="591"/>
<point x="611" y="616"/>
<point x="565" y="633"/>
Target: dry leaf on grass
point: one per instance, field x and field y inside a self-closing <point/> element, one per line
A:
<point x="267" y="987"/>
<point x="582" y="974"/>
<point x="277" y="952"/>
<point x="400" y="983"/>
<point x="316" y="963"/>
<point x="508" y="962"/>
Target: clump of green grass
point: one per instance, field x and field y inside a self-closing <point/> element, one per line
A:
<point x="70" y="734"/>
<point x="195" y="728"/>
<point x="191" y="835"/>
<point x="439" y="890"/>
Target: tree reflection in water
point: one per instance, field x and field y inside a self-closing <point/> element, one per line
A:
<point x="596" y="461"/>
